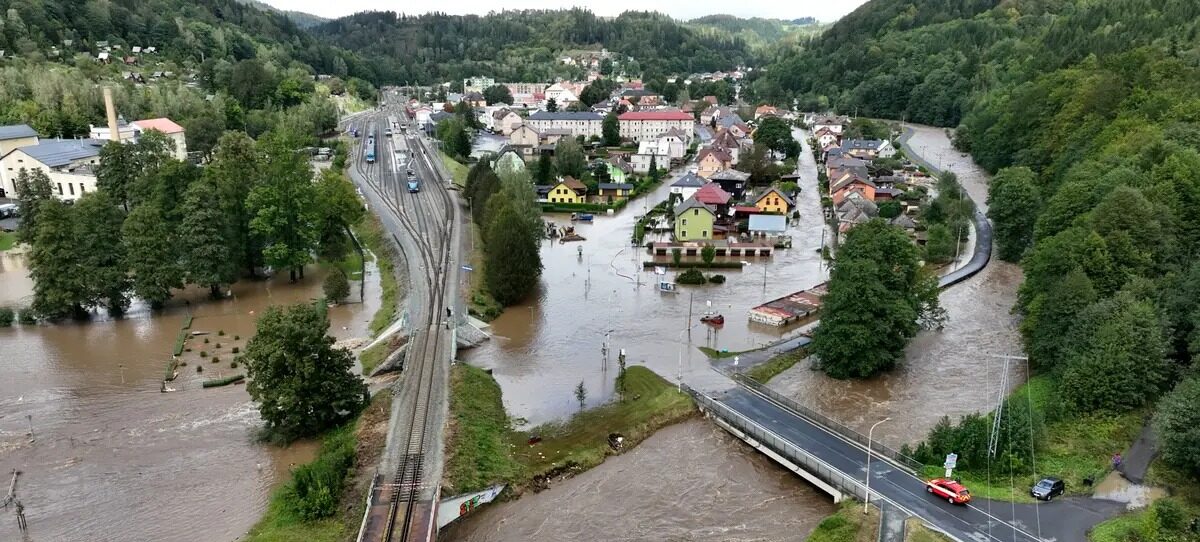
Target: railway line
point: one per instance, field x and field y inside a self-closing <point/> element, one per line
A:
<point x="402" y="503"/>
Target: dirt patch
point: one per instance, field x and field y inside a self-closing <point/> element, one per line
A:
<point x="371" y="434"/>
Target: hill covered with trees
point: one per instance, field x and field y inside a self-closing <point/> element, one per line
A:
<point x="759" y="32"/>
<point x="525" y="45"/>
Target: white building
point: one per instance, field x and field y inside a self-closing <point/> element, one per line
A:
<point x="561" y="94"/>
<point x="69" y="163"/>
<point x="477" y="84"/>
<point x="648" y="151"/>
<point x="687" y="185"/>
<point x="132" y="132"/>
<point x="581" y="123"/>
<point x="648" y="125"/>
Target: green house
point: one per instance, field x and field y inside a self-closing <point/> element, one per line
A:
<point x="694" y="221"/>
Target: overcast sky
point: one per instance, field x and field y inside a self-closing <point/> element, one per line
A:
<point x="823" y="10"/>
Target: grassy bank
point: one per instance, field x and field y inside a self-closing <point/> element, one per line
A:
<point x="7" y="240"/>
<point x="481" y="303"/>
<point x="334" y="486"/>
<point x="581" y="443"/>
<point x="848" y="524"/>
<point x="479" y="451"/>
<point x="764" y="372"/>
<point x="373" y="356"/>
<point x="458" y="170"/>
<point x="372" y="235"/>
<point x="915" y="531"/>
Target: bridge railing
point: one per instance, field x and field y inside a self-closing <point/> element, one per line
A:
<point x="799" y="456"/>
<point x="904" y="461"/>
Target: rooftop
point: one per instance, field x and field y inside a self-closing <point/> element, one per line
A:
<point x="16" y="131"/>
<point x="162" y="124"/>
<point x="666" y="114"/>
<point x="712" y="194"/>
<point x="60" y="152"/>
<point x="692" y="203"/>
<point x="566" y="115"/>
<point x="690" y="180"/>
<point x="615" y="186"/>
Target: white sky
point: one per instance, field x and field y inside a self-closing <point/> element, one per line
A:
<point x="823" y="10"/>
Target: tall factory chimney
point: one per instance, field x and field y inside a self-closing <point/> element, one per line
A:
<point x="113" y="130"/>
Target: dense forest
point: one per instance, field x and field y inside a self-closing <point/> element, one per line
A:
<point x="759" y="32"/>
<point x="1089" y="116"/>
<point x="526" y="45"/>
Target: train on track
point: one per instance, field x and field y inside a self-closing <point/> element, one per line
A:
<point x="414" y="184"/>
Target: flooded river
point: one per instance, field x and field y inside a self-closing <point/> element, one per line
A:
<point x="726" y="490"/>
<point x="112" y="458"/>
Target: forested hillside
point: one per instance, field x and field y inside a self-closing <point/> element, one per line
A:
<point x="1089" y="114"/>
<point x="759" y="32"/>
<point x="525" y="45"/>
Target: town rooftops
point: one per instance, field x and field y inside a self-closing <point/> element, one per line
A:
<point x="847" y="179"/>
<point x="666" y="114"/>
<point x="674" y="132"/>
<point x="637" y="92"/>
<point x="60" y="152"/>
<point x="690" y="180"/>
<point x="729" y="175"/>
<point x="473" y="97"/>
<point x="717" y="153"/>
<point x="692" y="203"/>
<point x="865" y="144"/>
<point x="16" y="131"/>
<point x="615" y="186"/>
<point x="768" y="223"/>
<point x="769" y="191"/>
<point x="162" y="124"/>
<point x="712" y="194"/>
<point x="565" y="115"/>
<point x="572" y="183"/>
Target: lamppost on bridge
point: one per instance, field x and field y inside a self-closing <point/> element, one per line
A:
<point x="867" y="495"/>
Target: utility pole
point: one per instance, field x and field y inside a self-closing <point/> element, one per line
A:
<point x="994" y="437"/>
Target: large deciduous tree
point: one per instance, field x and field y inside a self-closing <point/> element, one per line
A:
<point x="235" y="167"/>
<point x="339" y="208"/>
<point x="776" y="135"/>
<point x="569" y="158"/>
<point x="611" y="128"/>
<point x="207" y="255"/>
<point x="301" y="382"/>
<point x="1177" y="425"/>
<point x="59" y="285"/>
<point x="1013" y="206"/>
<point x="97" y="224"/>
<point x="33" y="188"/>
<point x="151" y="249"/>
<point x="512" y="237"/>
<point x="498" y="94"/>
<point x="285" y="219"/>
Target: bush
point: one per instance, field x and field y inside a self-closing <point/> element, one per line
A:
<point x="1178" y="414"/>
<point x="336" y="286"/>
<point x="316" y="487"/>
<point x="199" y="368"/>
<point x="217" y="346"/>
<point x="7" y="316"/>
<point x="691" y="276"/>
<point x="717" y="279"/>
<point x="237" y="337"/>
<point x="236" y="350"/>
<point x="216" y="359"/>
<point x="220" y="332"/>
<point x="27" y="317"/>
<point x="187" y="349"/>
<point x="233" y="364"/>
<point x="204" y="353"/>
<point x="206" y="340"/>
<point x="222" y="381"/>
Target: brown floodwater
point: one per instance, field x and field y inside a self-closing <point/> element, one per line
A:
<point x="112" y="458"/>
<point x="692" y="481"/>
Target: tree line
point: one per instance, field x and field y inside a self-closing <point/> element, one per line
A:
<point x="504" y="208"/>
<point x="157" y="224"/>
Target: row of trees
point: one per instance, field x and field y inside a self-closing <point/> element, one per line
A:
<point x="504" y="208"/>
<point x="157" y="224"/>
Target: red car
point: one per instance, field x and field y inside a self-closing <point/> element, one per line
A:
<point x="950" y="490"/>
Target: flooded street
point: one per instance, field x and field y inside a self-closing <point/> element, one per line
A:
<point x="115" y="459"/>
<point x="726" y="491"/>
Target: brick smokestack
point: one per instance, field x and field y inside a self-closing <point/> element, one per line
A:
<point x="111" y="110"/>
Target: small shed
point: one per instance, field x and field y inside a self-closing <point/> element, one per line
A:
<point x="768" y="224"/>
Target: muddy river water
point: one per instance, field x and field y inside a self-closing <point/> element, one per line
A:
<point x="111" y="457"/>
<point x="725" y="490"/>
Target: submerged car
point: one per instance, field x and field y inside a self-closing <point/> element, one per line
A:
<point x="951" y="490"/>
<point x="1048" y="488"/>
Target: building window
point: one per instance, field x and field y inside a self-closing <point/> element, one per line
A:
<point x="685" y="222"/>
<point x="696" y="212"/>
<point x="703" y="234"/>
<point x="71" y="187"/>
<point x="683" y="234"/>
<point x="60" y="192"/>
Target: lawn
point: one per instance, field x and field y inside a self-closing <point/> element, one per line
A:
<point x="373" y="356"/>
<point x="351" y="265"/>
<point x="482" y="305"/>
<point x="916" y="531"/>
<point x="848" y="524"/>
<point x="7" y="240"/>
<point x="764" y="372"/>
<point x="582" y="442"/>
<point x="721" y="354"/>
<point x="479" y="449"/>
<point x="371" y="234"/>
<point x="458" y="171"/>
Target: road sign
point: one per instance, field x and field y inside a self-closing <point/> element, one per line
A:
<point x="951" y="461"/>
<point x="467" y="268"/>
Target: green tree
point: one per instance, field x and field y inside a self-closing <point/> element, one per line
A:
<point x="544" y="172"/>
<point x="283" y="208"/>
<point x="482" y="184"/>
<point x="776" y="135"/>
<point x="655" y="173"/>
<point x="869" y="315"/>
<point x="151" y="250"/>
<point x="124" y="166"/>
<point x="235" y="168"/>
<point x="939" y="244"/>
<point x="708" y="254"/>
<point x="1177" y="424"/>
<point x="1116" y="358"/>
<point x="1013" y="205"/>
<point x="676" y="256"/>
<point x="206" y="255"/>
<point x="336" y="286"/>
<point x="101" y="256"/>
<point x="301" y="382"/>
<point x="339" y="209"/>
<point x="611" y="128"/>
<point x="552" y="105"/>
<point x="581" y="394"/>
<point x="59" y="285"/>
<point x="512" y="238"/>
<point x="33" y="188"/>
<point x="597" y="91"/>
<point x="498" y="94"/>
<point x="569" y="158"/>
<point x="1052" y="315"/>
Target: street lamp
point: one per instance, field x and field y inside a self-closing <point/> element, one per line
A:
<point x="867" y="496"/>
<point x="679" y="385"/>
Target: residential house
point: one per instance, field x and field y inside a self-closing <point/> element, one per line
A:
<point x="710" y="99"/>
<point x="713" y="113"/>
<point x="694" y="221"/>
<point x="11" y="138"/>
<point x="604" y="107"/>
<point x="508" y="160"/>
<point x="765" y="111"/>
<point x="129" y="60"/>
<point x="648" y="125"/>
<point x="650" y="153"/>
<point x="132" y="132"/>
<point x="838" y="166"/>
<point x="619" y="169"/>
<point x="649" y="102"/>
<point x="868" y="149"/>
<point x="854" y="210"/>
<point x="568" y="190"/>
<point x="641" y="96"/>
<point x="478" y="84"/>
<point x="69" y="163"/>
<point x="849" y="183"/>
<point x="834" y="123"/>
<point x="551" y="136"/>
<point x="613" y="192"/>
<point x="732" y="181"/>
<point x="712" y="160"/>
<point x="729" y="143"/>
<point x="525" y="88"/>
<point x="687" y="185"/>
<point x="562" y="93"/>
<point x="505" y="120"/>
<point x="711" y="194"/>
<point x="734" y="125"/>
<point x="826" y="137"/>
<point x="581" y="123"/>
<point x="674" y="143"/>
<point x="474" y="99"/>
<point x="524" y="136"/>
<point x="103" y="57"/>
<point x="773" y="201"/>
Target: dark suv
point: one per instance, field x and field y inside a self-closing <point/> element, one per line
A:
<point x="1048" y="488"/>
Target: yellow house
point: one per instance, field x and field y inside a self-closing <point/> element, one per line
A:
<point x="568" y="190"/>
<point x="694" y="221"/>
<point x="773" y="201"/>
<point x="712" y="160"/>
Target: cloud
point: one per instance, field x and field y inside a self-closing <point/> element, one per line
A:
<point x="824" y="10"/>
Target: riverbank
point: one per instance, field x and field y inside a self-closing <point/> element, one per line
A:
<point x="848" y="524"/>
<point x="337" y="482"/>
<point x="484" y="449"/>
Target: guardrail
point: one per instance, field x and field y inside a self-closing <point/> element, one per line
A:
<point x="832" y="425"/>
<point x="799" y="456"/>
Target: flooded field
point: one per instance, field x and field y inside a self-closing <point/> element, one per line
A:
<point x="111" y="457"/>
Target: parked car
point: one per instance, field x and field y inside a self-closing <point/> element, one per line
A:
<point x="951" y="490"/>
<point x="9" y="210"/>
<point x="1048" y="488"/>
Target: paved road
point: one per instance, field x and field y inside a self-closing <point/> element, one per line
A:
<point x="982" y="520"/>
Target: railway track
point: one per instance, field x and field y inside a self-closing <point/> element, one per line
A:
<point x="426" y="218"/>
